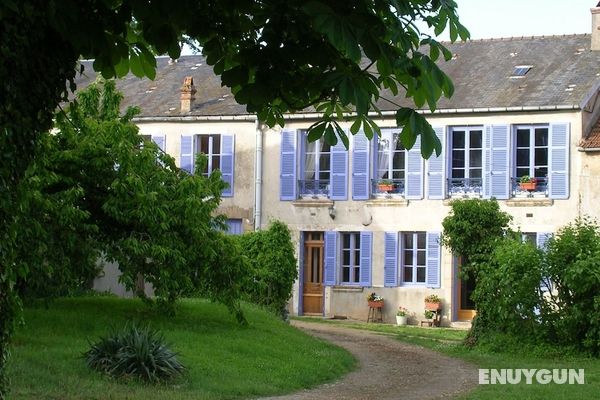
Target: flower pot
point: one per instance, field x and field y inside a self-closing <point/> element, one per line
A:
<point x="385" y="187"/>
<point x="401" y="320"/>
<point x="528" y="185"/>
<point x="433" y="306"/>
<point x="376" y="304"/>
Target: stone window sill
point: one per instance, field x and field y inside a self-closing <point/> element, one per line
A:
<point x="350" y="289"/>
<point x="313" y="203"/>
<point x="387" y="202"/>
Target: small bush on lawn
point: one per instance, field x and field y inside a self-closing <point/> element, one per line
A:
<point x="137" y="352"/>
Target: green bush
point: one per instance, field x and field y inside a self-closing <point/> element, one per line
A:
<point x="272" y="267"/>
<point x="134" y="352"/>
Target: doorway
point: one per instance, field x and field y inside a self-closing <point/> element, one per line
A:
<point x="312" y="291"/>
<point x="466" y="305"/>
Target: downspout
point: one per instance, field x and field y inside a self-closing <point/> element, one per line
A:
<point x="258" y="164"/>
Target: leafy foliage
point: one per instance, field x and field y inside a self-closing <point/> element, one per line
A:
<point x="134" y="352"/>
<point x="472" y="229"/>
<point x="544" y="296"/>
<point x="272" y="266"/>
<point x="275" y="56"/>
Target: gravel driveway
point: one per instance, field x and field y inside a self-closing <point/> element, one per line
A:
<point x="388" y="369"/>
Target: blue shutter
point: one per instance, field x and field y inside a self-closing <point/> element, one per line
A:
<point x="497" y="161"/>
<point x="541" y="239"/>
<point x="300" y="273"/>
<point x="390" y="260"/>
<point x="160" y="141"/>
<point x="559" y="161"/>
<point x="287" y="177"/>
<point x="414" y="171"/>
<point x="186" y="155"/>
<point x="227" y="163"/>
<point x="366" y="251"/>
<point x="360" y="167"/>
<point x="338" y="186"/>
<point x="330" y="258"/>
<point x="435" y="169"/>
<point x="433" y="259"/>
<point x="487" y="160"/>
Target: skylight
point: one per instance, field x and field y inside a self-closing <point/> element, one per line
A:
<point x="520" y="71"/>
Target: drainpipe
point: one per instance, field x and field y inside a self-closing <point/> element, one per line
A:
<point x="258" y="164"/>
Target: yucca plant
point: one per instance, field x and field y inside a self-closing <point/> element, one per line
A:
<point x="135" y="351"/>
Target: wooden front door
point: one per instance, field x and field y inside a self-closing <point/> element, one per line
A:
<point x="466" y="306"/>
<point x="312" y="292"/>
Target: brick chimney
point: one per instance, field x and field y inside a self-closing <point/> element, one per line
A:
<point x="188" y="90"/>
<point x="595" y="27"/>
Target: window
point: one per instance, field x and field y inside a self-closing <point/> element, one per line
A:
<point x="209" y="145"/>
<point x="414" y="257"/>
<point x="350" y="265"/>
<point x="532" y="151"/>
<point x="466" y="166"/>
<point x="347" y="258"/>
<point x="316" y="167"/>
<point x="219" y="150"/>
<point x="234" y="226"/>
<point x="390" y="164"/>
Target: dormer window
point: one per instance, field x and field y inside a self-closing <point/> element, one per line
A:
<point x="520" y="71"/>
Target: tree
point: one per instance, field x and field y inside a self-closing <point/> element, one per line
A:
<point x="276" y="56"/>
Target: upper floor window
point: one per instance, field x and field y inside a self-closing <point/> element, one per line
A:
<point x="531" y="159"/>
<point x="219" y="151"/>
<point x="210" y="145"/>
<point x="390" y="164"/>
<point x="316" y="167"/>
<point x="466" y="161"/>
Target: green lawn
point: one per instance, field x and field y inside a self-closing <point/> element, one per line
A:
<point x="224" y="360"/>
<point x="448" y="341"/>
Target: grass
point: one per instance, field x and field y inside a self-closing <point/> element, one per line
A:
<point x="449" y="342"/>
<point x="224" y="359"/>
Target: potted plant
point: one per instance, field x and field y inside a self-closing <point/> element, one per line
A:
<point x="433" y="302"/>
<point x="527" y="182"/>
<point x="429" y="315"/>
<point x="385" y="185"/>
<point x="375" y="301"/>
<point x="401" y="316"/>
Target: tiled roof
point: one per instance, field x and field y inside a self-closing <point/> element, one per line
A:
<point x="563" y="72"/>
<point x="592" y="141"/>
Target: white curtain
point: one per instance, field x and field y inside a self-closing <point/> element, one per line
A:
<point x="309" y="159"/>
<point x="383" y="154"/>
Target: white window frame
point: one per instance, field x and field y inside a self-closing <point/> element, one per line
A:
<point x="531" y="147"/>
<point x="415" y="249"/>
<point x="211" y="151"/>
<point x="354" y="269"/>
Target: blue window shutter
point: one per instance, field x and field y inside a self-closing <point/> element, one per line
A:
<point x="301" y="273"/>
<point x="227" y="163"/>
<point x="366" y="252"/>
<point x="487" y="160"/>
<point x="414" y="171"/>
<point x="287" y="177"/>
<point x="360" y="167"/>
<point x="541" y="239"/>
<point x="160" y="141"/>
<point x="433" y="259"/>
<point x="338" y="186"/>
<point x="390" y="260"/>
<point x="496" y="164"/>
<point x="330" y="257"/>
<point x="435" y="169"/>
<point x="186" y="155"/>
<point x="559" y="161"/>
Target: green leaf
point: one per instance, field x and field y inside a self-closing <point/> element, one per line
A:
<point x="355" y="126"/>
<point x="330" y="136"/>
<point x="316" y="131"/>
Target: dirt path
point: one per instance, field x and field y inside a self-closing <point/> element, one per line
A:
<point x="388" y="369"/>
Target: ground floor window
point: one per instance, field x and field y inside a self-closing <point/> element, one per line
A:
<point x="414" y="257"/>
<point x="350" y="257"/>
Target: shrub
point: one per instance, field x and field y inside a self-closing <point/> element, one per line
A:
<point x="137" y="352"/>
<point x="272" y="267"/>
